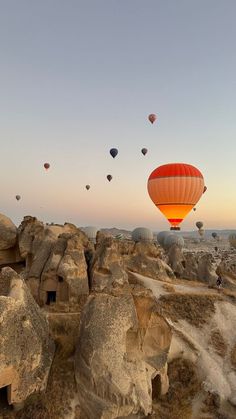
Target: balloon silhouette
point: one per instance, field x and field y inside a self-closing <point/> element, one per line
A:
<point x="152" y="118"/>
<point x="113" y="152"/>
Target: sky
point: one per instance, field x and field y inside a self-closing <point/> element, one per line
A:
<point x="79" y="77"/>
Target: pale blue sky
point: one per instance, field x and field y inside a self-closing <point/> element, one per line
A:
<point x="80" y="77"/>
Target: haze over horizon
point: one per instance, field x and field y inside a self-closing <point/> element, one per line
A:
<point x="80" y="77"/>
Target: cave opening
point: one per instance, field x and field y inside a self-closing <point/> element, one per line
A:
<point x="156" y="387"/>
<point x="4" y="405"/>
<point x="51" y="297"/>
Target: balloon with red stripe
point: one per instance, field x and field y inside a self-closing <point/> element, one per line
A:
<point x="175" y="189"/>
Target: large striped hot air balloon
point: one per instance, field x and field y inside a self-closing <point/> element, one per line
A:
<point x="175" y="189"/>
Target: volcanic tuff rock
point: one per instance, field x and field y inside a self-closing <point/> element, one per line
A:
<point x="176" y="259"/>
<point x="107" y="267"/>
<point x="141" y="257"/>
<point x="200" y="266"/>
<point x="123" y="342"/>
<point x="147" y="259"/>
<point x="55" y="260"/>
<point x="26" y="350"/>
<point x="227" y="269"/>
<point x="8" y="233"/>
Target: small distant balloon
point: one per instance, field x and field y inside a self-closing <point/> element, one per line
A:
<point x="152" y="118"/>
<point x="109" y="177"/>
<point x="144" y="151"/>
<point x="87" y="187"/>
<point x="113" y="152"/>
<point x="18" y="197"/>
<point x="214" y="235"/>
<point x="46" y="166"/>
<point x="204" y="189"/>
<point x="199" y="224"/>
<point x="194" y="209"/>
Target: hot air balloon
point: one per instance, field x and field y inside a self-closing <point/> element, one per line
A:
<point x="119" y="236"/>
<point x="199" y="224"/>
<point x="194" y="209"/>
<point x="46" y="166"/>
<point x="18" y="197"/>
<point x="87" y="187"/>
<point x="109" y="177"/>
<point x="161" y="237"/>
<point x="91" y="233"/>
<point x="152" y="118"/>
<point x="172" y="239"/>
<point x="113" y="152"/>
<point x="175" y="188"/>
<point x="142" y="234"/>
<point x="144" y="151"/>
<point x="214" y="235"/>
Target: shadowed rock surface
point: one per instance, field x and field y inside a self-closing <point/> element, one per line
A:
<point x="26" y="350"/>
<point x="8" y="233"/>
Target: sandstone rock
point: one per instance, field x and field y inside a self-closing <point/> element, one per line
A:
<point x="66" y="273"/>
<point x="8" y="233"/>
<point x="176" y="260"/>
<point x="10" y="256"/>
<point x="30" y="234"/>
<point x="26" y="350"/>
<point x="107" y="269"/>
<point x="146" y="259"/>
<point x="56" y="268"/>
<point x="199" y="266"/>
<point x="123" y="341"/>
<point x="123" y="344"/>
<point x="227" y="269"/>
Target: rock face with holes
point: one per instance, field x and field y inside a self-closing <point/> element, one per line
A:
<point x="123" y="342"/>
<point x="56" y="268"/>
<point x="26" y="350"/>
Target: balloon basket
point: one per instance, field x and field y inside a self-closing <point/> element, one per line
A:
<point x="175" y="228"/>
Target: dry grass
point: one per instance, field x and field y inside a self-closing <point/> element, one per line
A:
<point x="168" y="288"/>
<point x="184" y="385"/>
<point x="195" y="309"/>
<point x="218" y="343"/>
<point x="56" y="402"/>
<point x="65" y="331"/>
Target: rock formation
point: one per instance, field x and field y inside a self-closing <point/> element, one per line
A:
<point x="8" y="233"/>
<point x="9" y="251"/>
<point x="199" y="266"/>
<point x="56" y="268"/>
<point x="146" y="259"/>
<point x="26" y="350"/>
<point x="123" y="342"/>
